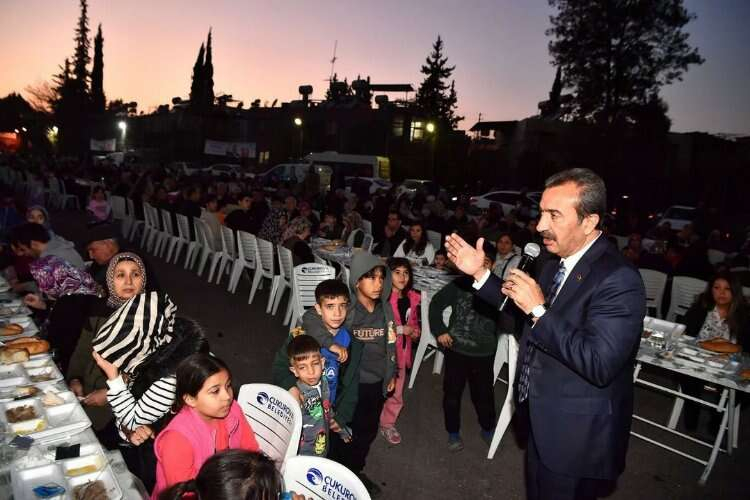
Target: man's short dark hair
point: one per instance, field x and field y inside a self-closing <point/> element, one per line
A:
<point x="331" y="289"/>
<point x="25" y="233"/>
<point x="301" y="347"/>
<point x="394" y="212"/>
<point x="592" y="197"/>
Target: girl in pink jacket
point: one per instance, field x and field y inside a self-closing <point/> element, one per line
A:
<point x="404" y="302"/>
<point x="209" y="420"/>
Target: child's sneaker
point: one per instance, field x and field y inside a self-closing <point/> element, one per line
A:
<point x="455" y="443"/>
<point x="391" y="435"/>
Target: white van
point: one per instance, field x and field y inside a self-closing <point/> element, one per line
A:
<point x="328" y="164"/>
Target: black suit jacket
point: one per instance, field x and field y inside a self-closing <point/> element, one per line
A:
<point x="581" y="372"/>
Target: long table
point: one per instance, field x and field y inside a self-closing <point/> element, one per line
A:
<point x="727" y="380"/>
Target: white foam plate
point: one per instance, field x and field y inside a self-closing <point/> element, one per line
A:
<point x="24" y="481"/>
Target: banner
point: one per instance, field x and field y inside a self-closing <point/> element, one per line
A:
<point x="231" y="149"/>
<point x="104" y="145"/>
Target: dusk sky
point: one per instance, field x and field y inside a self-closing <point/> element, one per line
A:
<point x="266" y="49"/>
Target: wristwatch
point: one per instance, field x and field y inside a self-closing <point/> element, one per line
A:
<point x="537" y="312"/>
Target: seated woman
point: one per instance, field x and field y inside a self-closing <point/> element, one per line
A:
<point x="417" y="246"/>
<point x="98" y="207"/>
<point x="507" y="257"/>
<point x="720" y="314"/>
<point x="138" y="348"/>
<point x="71" y="293"/>
<point x="295" y="239"/>
<point x="353" y="233"/>
<point x="37" y="214"/>
<point x="126" y="278"/>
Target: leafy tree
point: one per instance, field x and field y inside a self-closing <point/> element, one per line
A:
<point x="435" y="98"/>
<point x="196" y="87"/>
<point x="81" y="57"/>
<point x="208" y="76"/>
<point x="616" y="54"/>
<point x="97" y="74"/>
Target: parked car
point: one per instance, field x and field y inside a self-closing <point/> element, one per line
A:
<point x="373" y="184"/>
<point x="508" y="200"/>
<point x="410" y="187"/>
<point x="229" y="170"/>
<point x="678" y="216"/>
<point x="186" y="167"/>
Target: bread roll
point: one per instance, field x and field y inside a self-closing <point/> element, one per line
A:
<point x="720" y="346"/>
<point x="31" y="344"/>
<point x="11" y="329"/>
<point x="10" y="355"/>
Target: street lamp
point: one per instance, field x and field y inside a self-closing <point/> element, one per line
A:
<point x="123" y="126"/>
<point x="298" y="124"/>
<point x="431" y="129"/>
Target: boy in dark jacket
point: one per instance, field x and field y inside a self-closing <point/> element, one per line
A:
<point x="368" y="376"/>
<point x="470" y="341"/>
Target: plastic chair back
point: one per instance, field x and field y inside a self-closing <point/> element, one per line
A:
<point x="306" y="279"/>
<point x="655" y="283"/>
<point x="684" y="292"/>
<point x="246" y="247"/>
<point x="275" y="417"/>
<point x="227" y="242"/>
<point x="322" y="478"/>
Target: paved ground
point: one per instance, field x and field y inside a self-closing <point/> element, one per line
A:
<point x="421" y="468"/>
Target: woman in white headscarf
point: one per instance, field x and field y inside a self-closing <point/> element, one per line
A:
<point x="138" y="348"/>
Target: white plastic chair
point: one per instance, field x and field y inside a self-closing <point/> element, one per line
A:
<point x="283" y="280"/>
<point x="367" y="226"/>
<point x="228" y="252"/>
<point x="245" y="261"/>
<point x="169" y="240"/>
<point x="684" y="292"/>
<point x="435" y="238"/>
<point x="655" y="282"/>
<point x="182" y="238"/>
<point x="207" y="246"/>
<point x="426" y="341"/>
<point x="622" y="241"/>
<point x="119" y="210"/>
<point x="367" y="242"/>
<point x="507" y="352"/>
<point x="312" y="476"/>
<point x="716" y="256"/>
<point x="263" y="266"/>
<point x="275" y="417"/>
<point x="305" y="279"/>
<point x="194" y="244"/>
<point x="352" y="236"/>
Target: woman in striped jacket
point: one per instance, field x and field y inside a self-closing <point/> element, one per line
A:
<point x="138" y="348"/>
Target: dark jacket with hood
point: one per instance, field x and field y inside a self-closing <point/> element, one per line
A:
<point x="348" y="388"/>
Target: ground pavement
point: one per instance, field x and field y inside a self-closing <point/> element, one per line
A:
<point x="421" y="467"/>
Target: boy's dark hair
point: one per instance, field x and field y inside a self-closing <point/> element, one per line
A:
<point x="25" y="233"/>
<point x="244" y="194"/>
<point x="331" y="289"/>
<point x="231" y="475"/>
<point x="490" y="251"/>
<point x="192" y="373"/>
<point x="441" y="251"/>
<point x="372" y="272"/>
<point x="302" y="347"/>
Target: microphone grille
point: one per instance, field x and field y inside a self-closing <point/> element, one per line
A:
<point x="532" y="250"/>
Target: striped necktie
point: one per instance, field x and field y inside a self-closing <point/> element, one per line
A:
<point x="523" y="376"/>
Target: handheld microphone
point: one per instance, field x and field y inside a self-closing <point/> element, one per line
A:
<point x="530" y="252"/>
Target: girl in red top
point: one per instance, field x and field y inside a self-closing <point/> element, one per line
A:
<point x="208" y="420"/>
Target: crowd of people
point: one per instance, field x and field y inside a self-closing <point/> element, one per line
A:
<point x="151" y="387"/>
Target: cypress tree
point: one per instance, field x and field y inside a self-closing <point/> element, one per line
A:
<point x="196" y="87"/>
<point x="208" y="76"/>
<point x="97" y="74"/>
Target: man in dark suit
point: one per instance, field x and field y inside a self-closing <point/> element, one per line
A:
<point x="576" y="357"/>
